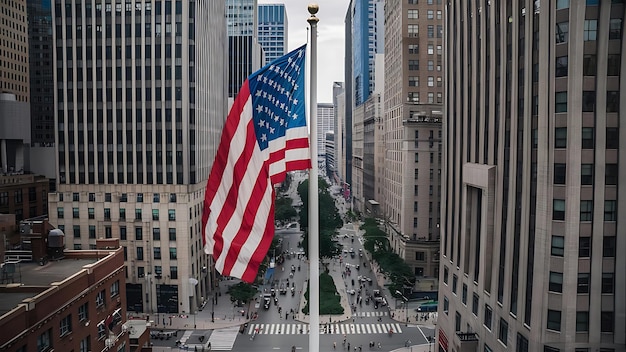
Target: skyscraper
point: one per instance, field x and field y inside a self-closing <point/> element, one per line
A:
<point x="273" y="31"/>
<point x="368" y="39"/>
<point x="140" y="99"/>
<point x="412" y="126"/>
<point x="325" y="123"/>
<point x="244" y="51"/>
<point x="14" y="49"/>
<point x="531" y="199"/>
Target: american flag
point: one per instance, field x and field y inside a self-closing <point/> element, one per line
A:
<point x="264" y="137"/>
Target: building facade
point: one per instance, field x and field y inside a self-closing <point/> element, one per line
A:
<point x="244" y="51"/>
<point x="325" y="123"/>
<point x="140" y="101"/>
<point x="531" y="199"/>
<point x="40" y="68"/>
<point x="338" y="104"/>
<point x="272" y="31"/>
<point x="412" y="120"/>
<point x="14" y="56"/>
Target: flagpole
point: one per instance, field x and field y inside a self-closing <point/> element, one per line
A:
<point x="314" y="257"/>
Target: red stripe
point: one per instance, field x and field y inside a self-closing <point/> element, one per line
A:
<point x="264" y="245"/>
<point x="221" y="157"/>
<point x="247" y="222"/>
<point x="230" y="204"/>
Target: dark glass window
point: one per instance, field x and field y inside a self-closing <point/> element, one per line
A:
<point x="589" y="101"/>
<point x="554" y="320"/>
<point x="561" y="66"/>
<point x="559" y="174"/>
<point x="612" y="138"/>
<point x="584" y="247"/>
<point x="608" y="282"/>
<point x="611" y="173"/>
<point x="606" y="322"/>
<point x="588" y="138"/>
<point x="556" y="282"/>
<point x="583" y="282"/>
<point x="558" y="246"/>
<point x="586" y="174"/>
<point x="608" y="246"/>
<point x="558" y="212"/>
<point x="560" y="137"/>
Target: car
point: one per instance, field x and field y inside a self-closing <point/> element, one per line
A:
<point x="351" y="291"/>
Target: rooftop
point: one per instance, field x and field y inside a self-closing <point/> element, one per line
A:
<point x="30" y="279"/>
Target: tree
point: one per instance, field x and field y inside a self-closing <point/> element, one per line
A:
<point x="242" y="292"/>
<point x="284" y="210"/>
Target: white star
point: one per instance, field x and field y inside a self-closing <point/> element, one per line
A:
<point x="264" y="79"/>
<point x="282" y="105"/>
<point x="295" y="102"/>
<point x="289" y="59"/>
<point x="277" y="69"/>
<point x="264" y="94"/>
<point x="259" y="77"/>
<point x="263" y="137"/>
<point x="258" y="93"/>
<point x="295" y="87"/>
<point x="259" y="108"/>
<point x="295" y="116"/>
<point x="267" y="125"/>
<point x="276" y="118"/>
<point x="282" y="122"/>
<point x="272" y="130"/>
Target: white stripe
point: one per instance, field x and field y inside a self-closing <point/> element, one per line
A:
<point x="398" y="329"/>
<point x="292" y="154"/>
<point x="235" y="149"/>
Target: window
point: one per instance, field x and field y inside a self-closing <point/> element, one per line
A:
<point x="156" y="234"/>
<point x="586" y="174"/>
<point x="475" y="300"/>
<point x="615" y="28"/>
<point x="558" y="212"/>
<point x="562" y="4"/>
<point x="173" y="272"/>
<point x="107" y="214"/>
<point x="92" y="231"/>
<point x="559" y="174"/>
<point x="554" y="320"/>
<point x="488" y="316"/>
<point x="560" y="137"/>
<point x="172" y="197"/>
<point x="455" y="279"/>
<point x="431" y="81"/>
<point x="413" y="14"/>
<point x="76" y="230"/>
<point x="139" y="252"/>
<point x="171" y="214"/>
<point x="582" y="321"/>
<point x="613" y="64"/>
<point x="172" y="234"/>
<point x="414" y="65"/>
<point x="101" y="331"/>
<point x="589" y="101"/>
<point x="610" y="210"/>
<point x="124" y="197"/>
<point x="155" y="214"/>
<point x="413" y="49"/>
<point x="75" y="213"/>
<point x="44" y="341"/>
<point x="107" y="197"/>
<point x="583" y="283"/>
<point x="92" y="197"/>
<point x="137" y="214"/>
<point x="556" y="282"/>
<point x="100" y="299"/>
<point x="138" y="233"/>
<point x="91" y="213"/>
<point x="590" y="65"/>
<point x="115" y="288"/>
<point x="608" y="246"/>
<point x="85" y="344"/>
<point x="584" y="247"/>
<point x="414" y="81"/>
<point x="606" y="321"/>
<point x="172" y="252"/>
<point x="419" y="256"/>
<point x="561" y="66"/>
<point x="123" y="233"/>
<point x="445" y="275"/>
<point x="608" y="282"/>
<point x="562" y="32"/>
<point x="612" y="101"/>
<point x="612" y="138"/>
<point x="588" y="138"/>
<point x="65" y="326"/>
<point x="139" y="197"/>
<point x="610" y="174"/>
<point x="503" y="331"/>
<point x="83" y="311"/>
<point x="413" y="30"/>
<point x="157" y="252"/>
<point x="122" y="214"/>
<point x="60" y="212"/>
<point x="464" y="294"/>
<point x="75" y="197"/>
<point x="590" y="30"/>
<point x="558" y="246"/>
<point x="430" y="29"/>
<point x="560" y="102"/>
<point x="586" y="210"/>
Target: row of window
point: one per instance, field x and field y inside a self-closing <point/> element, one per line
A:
<point x="607" y="286"/>
<point x="588" y="101"/>
<point x="586" y="210"/>
<point x="156" y="232"/>
<point x="158" y="272"/>
<point x="584" y="246"/>
<point x="18" y="196"/>
<point x="414" y="81"/>
<point x="413" y="30"/>
<point x="414" y="65"/>
<point x="590" y="65"/>
<point x="413" y="14"/>
<point x="171" y="213"/>
<point x="156" y="197"/>
<point x="108" y="8"/>
<point x="590" y="30"/>
<point x="588" y="138"/>
<point x="414" y="49"/>
<point x="586" y="174"/>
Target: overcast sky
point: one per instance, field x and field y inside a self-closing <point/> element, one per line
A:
<point x="330" y="39"/>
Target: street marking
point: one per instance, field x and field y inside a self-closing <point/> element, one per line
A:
<point x="325" y="329"/>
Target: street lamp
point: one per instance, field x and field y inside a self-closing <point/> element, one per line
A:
<point x="406" y="306"/>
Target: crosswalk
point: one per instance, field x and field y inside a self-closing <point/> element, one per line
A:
<point x="372" y="314"/>
<point x="343" y="329"/>
<point x="223" y="339"/>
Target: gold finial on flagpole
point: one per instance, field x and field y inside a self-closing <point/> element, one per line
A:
<point x="313" y="9"/>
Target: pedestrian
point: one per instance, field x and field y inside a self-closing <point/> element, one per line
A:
<point x="348" y="346"/>
<point x="334" y="345"/>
